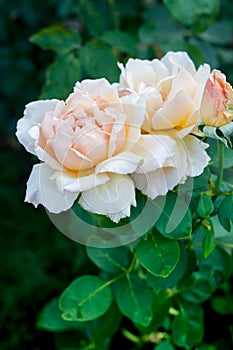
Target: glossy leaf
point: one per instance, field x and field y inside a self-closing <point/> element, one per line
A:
<point x="159" y="283"/>
<point x="50" y="319"/>
<point x="158" y="255"/>
<point x="86" y="298"/>
<point x="101" y="330"/>
<point x="175" y="221"/>
<point x="134" y="299"/>
<point x="165" y="345"/>
<point x="205" y="206"/>
<point x="198" y="290"/>
<point x="208" y="243"/>
<point x="160" y="308"/>
<point x="187" y="327"/>
<point x="226" y="212"/>
<point x="112" y="260"/>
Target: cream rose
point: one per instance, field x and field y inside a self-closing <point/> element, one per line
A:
<point x="87" y="148"/>
<point x="172" y="89"/>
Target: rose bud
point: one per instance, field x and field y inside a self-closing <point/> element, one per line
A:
<point x="217" y="101"/>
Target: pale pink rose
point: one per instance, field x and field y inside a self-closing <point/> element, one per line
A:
<point x="217" y="101"/>
<point x="172" y="89"/>
<point x="87" y="146"/>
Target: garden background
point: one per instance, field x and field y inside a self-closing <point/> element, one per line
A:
<point x="45" y="48"/>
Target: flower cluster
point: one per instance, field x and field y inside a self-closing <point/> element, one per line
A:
<point x="107" y="139"/>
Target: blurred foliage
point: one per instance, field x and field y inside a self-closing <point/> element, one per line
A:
<point x="192" y="307"/>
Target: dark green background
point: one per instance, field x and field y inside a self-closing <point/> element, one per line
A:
<point x="37" y="262"/>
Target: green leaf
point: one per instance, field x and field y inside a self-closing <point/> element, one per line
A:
<point x="225" y="213"/>
<point x="212" y="151"/>
<point x="112" y="260"/>
<point x="165" y="345"/>
<point x="61" y="76"/>
<point x="218" y="266"/>
<point x="193" y="12"/>
<point x="175" y="221"/>
<point x="208" y="243"/>
<point x="99" y="61"/>
<point x="201" y="182"/>
<point x="214" y="33"/>
<point x="121" y="41"/>
<point x="50" y="319"/>
<point x="158" y="255"/>
<point x="160" y="307"/>
<point x="57" y="38"/>
<point x="223" y="304"/>
<point x="205" y="206"/>
<point x="198" y="288"/>
<point x="187" y="326"/>
<point x="101" y="330"/>
<point x="134" y="299"/>
<point x="86" y="298"/>
<point x="159" y="27"/>
<point x="159" y="283"/>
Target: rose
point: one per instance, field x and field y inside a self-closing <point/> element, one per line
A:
<point x="172" y="89"/>
<point x="87" y="146"/>
<point x="217" y="101"/>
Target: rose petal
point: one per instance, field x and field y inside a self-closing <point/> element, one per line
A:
<point x="197" y="157"/>
<point x="160" y="181"/>
<point x="155" y="150"/>
<point x="122" y="163"/>
<point x="27" y="127"/>
<point x="83" y="183"/>
<point x="183" y="81"/>
<point x="137" y="71"/>
<point x="96" y="88"/>
<point x="42" y="189"/>
<point x="175" y="112"/>
<point x="112" y="199"/>
<point x="201" y="77"/>
<point x="176" y="60"/>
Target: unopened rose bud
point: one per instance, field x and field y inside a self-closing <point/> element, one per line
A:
<point x="217" y="101"/>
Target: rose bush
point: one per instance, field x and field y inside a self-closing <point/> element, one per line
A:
<point x="172" y="89"/>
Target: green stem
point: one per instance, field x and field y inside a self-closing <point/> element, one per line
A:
<point x="220" y="147"/>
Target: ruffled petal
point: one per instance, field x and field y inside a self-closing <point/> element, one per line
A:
<point x="80" y="184"/>
<point x="122" y="163"/>
<point x="134" y="108"/>
<point x="47" y="158"/>
<point x="28" y="126"/>
<point x="175" y="112"/>
<point x="96" y="88"/>
<point x="112" y="199"/>
<point x="197" y="157"/>
<point x="160" y="181"/>
<point x="155" y="150"/>
<point x="176" y="60"/>
<point x="137" y="71"/>
<point x="42" y="189"/>
<point x="201" y="77"/>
